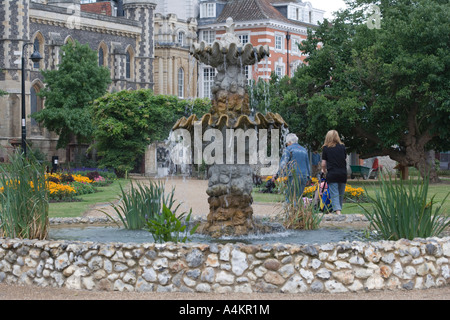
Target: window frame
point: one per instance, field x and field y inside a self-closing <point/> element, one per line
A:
<point x="181" y="38"/>
<point x="128" y="65"/>
<point x="208" y="10"/>
<point x="242" y="35"/>
<point x="180" y="84"/>
<point x="282" y="71"/>
<point x="209" y="74"/>
<point x="280" y="37"/>
<point x="101" y="57"/>
<point x="211" y="35"/>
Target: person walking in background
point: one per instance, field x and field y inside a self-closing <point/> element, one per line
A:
<point x="295" y="160"/>
<point x="334" y="164"/>
<point x="315" y="159"/>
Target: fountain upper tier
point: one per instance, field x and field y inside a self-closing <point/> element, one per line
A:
<point x="230" y="53"/>
<point x="230" y="99"/>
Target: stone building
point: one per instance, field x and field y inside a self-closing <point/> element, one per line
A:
<point x="175" y="71"/>
<point x="124" y="44"/>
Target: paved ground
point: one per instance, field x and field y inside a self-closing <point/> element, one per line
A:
<point x="193" y="196"/>
<point x="15" y="292"/>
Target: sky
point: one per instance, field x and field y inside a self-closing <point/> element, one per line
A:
<point x="329" y="5"/>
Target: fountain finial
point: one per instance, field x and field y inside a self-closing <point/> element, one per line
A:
<point x="230" y="36"/>
<point x="229" y="25"/>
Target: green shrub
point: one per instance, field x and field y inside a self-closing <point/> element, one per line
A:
<point x="23" y="199"/>
<point x="82" y="188"/>
<point x="126" y="122"/>
<point x="402" y="210"/>
<point x="166" y="226"/>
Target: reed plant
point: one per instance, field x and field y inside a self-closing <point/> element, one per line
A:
<point x="299" y="212"/>
<point x="23" y="198"/>
<point x="142" y="202"/>
<point x="403" y="209"/>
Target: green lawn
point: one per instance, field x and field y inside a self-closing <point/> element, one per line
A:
<point x="110" y="194"/>
<point x="105" y="194"/>
<point x="439" y="190"/>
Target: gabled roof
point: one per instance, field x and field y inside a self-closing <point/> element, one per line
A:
<point x="243" y="10"/>
<point x="251" y="10"/>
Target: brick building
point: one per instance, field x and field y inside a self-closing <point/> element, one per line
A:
<point x="280" y="24"/>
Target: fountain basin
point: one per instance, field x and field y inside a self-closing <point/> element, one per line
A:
<point x="332" y="267"/>
<point x="299" y="237"/>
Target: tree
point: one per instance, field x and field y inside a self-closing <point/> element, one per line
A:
<point x="126" y="122"/>
<point x="386" y="89"/>
<point x="69" y="91"/>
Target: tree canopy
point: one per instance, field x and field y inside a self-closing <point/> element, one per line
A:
<point x="386" y="89"/>
<point x="69" y="91"/>
<point x="126" y="122"/>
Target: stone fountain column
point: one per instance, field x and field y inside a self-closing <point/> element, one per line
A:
<point x="230" y="185"/>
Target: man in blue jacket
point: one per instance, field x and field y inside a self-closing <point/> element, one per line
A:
<point x="294" y="165"/>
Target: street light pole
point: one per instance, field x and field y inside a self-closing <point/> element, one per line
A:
<point x="35" y="57"/>
<point x="288" y="37"/>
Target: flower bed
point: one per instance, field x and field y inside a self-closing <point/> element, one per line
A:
<point x="64" y="187"/>
<point x="351" y="193"/>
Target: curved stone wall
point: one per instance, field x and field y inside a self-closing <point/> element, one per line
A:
<point x="194" y="267"/>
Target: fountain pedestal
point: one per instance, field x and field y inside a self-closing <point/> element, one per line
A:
<point x="230" y="211"/>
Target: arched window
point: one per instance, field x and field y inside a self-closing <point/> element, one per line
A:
<point x="101" y="57"/>
<point x="128" y="65"/>
<point x="36" y="104"/>
<point x="68" y="39"/>
<point x="38" y="45"/>
<point x="181" y="83"/>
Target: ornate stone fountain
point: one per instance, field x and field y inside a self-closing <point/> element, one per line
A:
<point x="230" y="185"/>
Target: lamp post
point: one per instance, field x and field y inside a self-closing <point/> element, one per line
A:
<point x="288" y="37"/>
<point x="35" y="57"/>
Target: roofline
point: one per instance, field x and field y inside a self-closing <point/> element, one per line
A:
<point x="266" y="22"/>
<point x="282" y="4"/>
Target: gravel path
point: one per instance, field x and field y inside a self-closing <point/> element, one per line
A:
<point x="192" y="194"/>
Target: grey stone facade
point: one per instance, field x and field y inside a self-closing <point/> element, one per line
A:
<point x="53" y="23"/>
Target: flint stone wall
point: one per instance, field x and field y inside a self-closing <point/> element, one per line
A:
<point x="223" y="268"/>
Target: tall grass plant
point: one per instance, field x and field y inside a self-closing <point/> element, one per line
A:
<point x="298" y="211"/>
<point x="23" y="198"/>
<point x="142" y="202"/>
<point x="403" y="209"/>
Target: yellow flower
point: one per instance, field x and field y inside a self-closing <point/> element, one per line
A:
<point x="82" y="179"/>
